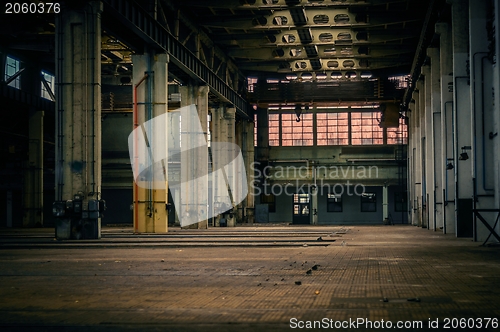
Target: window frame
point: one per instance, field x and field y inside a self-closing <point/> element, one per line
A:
<point x="335" y="128"/>
<point x="16" y="83"/>
<point x="43" y="92"/>
<point x="331" y="133"/>
<point x="365" y="200"/>
<point x="274" y="129"/>
<point x="295" y="133"/>
<point x="368" y="131"/>
<point x="334" y="203"/>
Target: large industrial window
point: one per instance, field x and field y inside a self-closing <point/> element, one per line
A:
<point x="270" y="200"/>
<point x="297" y="133"/>
<point x="365" y="129"/>
<point x="50" y="80"/>
<point x="368" y="202"/>
<point x="274" y="129"/>
<point x="398" y="135"/>
<point x="334" y="203"/>
<point x="400" y="82"/>
<point x="251" y="84"/>
<point x="332" y="128"/>
<point x="400" y="202"/>
<point x="343" y="128"/>
<point x="12" y="66"/>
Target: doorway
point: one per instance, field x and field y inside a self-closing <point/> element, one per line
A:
<point x="301" y="209"/>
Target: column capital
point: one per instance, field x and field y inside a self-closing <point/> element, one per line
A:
<point x="203" y="90"/>
<point x="230" y="113"/>
<point x="425" y="70"/>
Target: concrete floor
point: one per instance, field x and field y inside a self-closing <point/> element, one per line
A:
<point x="246" y="279"/>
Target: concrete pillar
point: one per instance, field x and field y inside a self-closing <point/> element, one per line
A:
<point x="78" y="109"/>
<point x="194" y="171"/>
<point x="418" y="158"/>
<point x="151" y="93"/>
<point x="249" y="165"/>
<point x="245" y="140"/>
<point x="385" y="203"/>
<point x="447" y="139"/>
<point x="229" y="122"/>
<point x="426" y="132"/>
<point x="429" y="149"/>
<point x="217" y="135"/>
<point x="174" y="166"/>
<point x="239" y="137"/>
<point x="411" y="162"/>
<point x="482" y="115"/>
<point x="33" y="178"/>
<point x="436" y="155"/>
<point x="496" y="109"/>
<point x="225" y="184"/>
<point x="33" y="186"/>
<point x="202" y="158"/>
<point x="462" y="120"/>
<point x="262" y="134"/>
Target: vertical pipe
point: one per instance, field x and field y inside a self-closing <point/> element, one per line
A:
<point x="445" y="202"/>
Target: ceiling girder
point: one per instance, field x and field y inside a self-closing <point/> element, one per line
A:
<point x="142" y="24"/>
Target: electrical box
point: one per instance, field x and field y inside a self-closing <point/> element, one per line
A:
<point x="59" y="209"/>
<point x="93" y="209"/>
<point x="76" y="220"/>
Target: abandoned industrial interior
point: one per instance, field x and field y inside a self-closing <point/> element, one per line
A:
<point x="243" y="165"/>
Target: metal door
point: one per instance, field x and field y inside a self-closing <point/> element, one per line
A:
<point x="301" y="209"/>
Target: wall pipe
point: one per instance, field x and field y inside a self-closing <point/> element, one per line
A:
<point x="445" y="190"/>
<point x="136" y="157"/>
<point x="446" y="145"/>
<point x="474" y="164"/>
<point x="483" y="124"/>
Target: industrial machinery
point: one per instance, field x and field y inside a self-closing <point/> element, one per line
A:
<point x="78" y="218"/>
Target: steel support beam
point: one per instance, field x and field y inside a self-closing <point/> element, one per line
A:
<point x="26" y="98"/>
<point x="151" y="31"/>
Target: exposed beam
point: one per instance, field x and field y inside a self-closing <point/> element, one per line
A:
<point x="258" y="4"/>
<point x="154" y="34"/>
<point x="325" y="52"/>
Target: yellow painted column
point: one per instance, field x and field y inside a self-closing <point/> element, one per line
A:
<point x="150" y="143"/>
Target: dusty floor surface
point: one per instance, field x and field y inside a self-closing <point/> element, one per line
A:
<point x="263" y="278"/>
